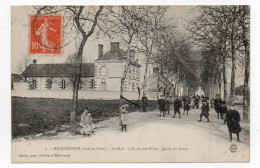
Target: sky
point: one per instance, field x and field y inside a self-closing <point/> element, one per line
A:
<point x="20" y="38"/>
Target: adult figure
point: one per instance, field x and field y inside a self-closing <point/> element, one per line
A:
<point x="144" y="102"/>
<point x="177" y="104"/>
<point x="218" y="106"/>
<point x="224" y="111"/>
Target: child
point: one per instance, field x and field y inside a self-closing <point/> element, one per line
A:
<point x="162" y="104"/>
<point x="86" y="123"/>
<point x="204" y="111"/>
<point x="123" y="117"/>
<point x="186" y="107"/>
<point x="233" y="119"/>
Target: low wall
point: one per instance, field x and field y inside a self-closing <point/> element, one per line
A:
<point x="21" y="90"/>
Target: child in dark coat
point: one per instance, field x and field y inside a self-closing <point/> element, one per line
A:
<point x="162" y="104"/>
<point x="233" y="119"/>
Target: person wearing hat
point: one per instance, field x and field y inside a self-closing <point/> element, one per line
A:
<point x="144" y="102"/>
<point x="123" y="117"/>
<point x="224" y="111"/>
<point x="218" y="106"/>
<point x="186" y="106"/>
<point x="196" y="102"/>
<point x="177" y="104"/>
<point x="86" y="123"/>
<point x="233" y="118"/>
<point x="204" y="111"/>
<point x="162" y="104"/>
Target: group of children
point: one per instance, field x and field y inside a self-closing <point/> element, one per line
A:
<point x="87" y="124"/>
<point x="164" y="106"/>
<point x="230" y="116"/>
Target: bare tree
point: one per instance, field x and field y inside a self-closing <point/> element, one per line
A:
<point x="83" y="20"/>
<point x="244" y="24"/>
<point x="22" y="65"/>
<point x="154" y="22"/>
<point x="125" y="22"/>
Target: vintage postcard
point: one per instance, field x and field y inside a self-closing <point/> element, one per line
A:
<point x="130" y="84"/>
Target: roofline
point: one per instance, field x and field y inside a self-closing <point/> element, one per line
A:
<point x="109" y="61"/>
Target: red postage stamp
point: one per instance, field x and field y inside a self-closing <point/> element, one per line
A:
<point x="45" y="35"/>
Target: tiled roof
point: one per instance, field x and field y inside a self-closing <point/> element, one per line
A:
<point x="122" y="56"/>
<point x="152" y="81"/>
<point x="109" y="55"/>
<point x="58" y="70"/>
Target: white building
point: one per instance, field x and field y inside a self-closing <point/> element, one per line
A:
<point x="109" y="69"/>
<point x="103" y="75"/>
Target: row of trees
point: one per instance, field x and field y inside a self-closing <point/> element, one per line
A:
<point x="148" y="30"/>
<point x="222" y="33"/>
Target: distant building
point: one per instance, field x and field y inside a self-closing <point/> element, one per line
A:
<point x="103" y="75"/>
<point x="58" y="76"/>
<point x="165" y="85"/>
<point x="109" y="69"/>
<point x="15" y="78"/>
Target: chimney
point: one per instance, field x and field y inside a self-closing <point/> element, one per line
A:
<point x="100" y="50"/>
<point x="155" y="69"/>
<point x="115" y="50"/>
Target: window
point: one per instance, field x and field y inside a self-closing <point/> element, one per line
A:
<point x="92" y="83"/>
<point x="48" y="84"/>
<point x="80" y="86"/>
<point x="133" y="87"/>
<point x="103" y="86"/>
<point x="34" y="84"/>
<point x="34" y="61"/>
<point x="63" y="84"/>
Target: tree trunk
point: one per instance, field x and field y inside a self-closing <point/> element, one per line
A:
<point x="246" y="95"/>
<point x="145" y="75"/>
<point x="123" y="78"/>
<point x="73" y="115"/>
<point x="233" y="71"/>
<point x="225" y="81"/>
<point x="158" y="84"/>
<point x="75" y="109"/>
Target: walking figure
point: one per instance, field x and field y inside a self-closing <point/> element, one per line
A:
<point x="123" y="117"/>
<point x="233" y="118"/>
<point x="162" y="104"/>
<point x="218" y="106"/>
<point x="177" y="104"/>
<point x="168" y="104"/>
<point x="224" y="111"/>
<point x="204" y="111"/>
<point x="196" y="102"/>
<point x="186" y="107"/>
<point x="211" y="103"/>
<point x="144" y="102"/>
